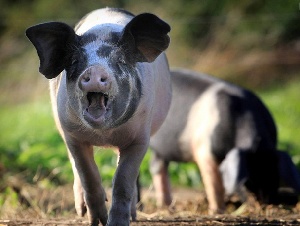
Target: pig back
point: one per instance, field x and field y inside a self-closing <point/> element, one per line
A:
<point x="244" y="123"/>
<point x="97" y="17"/>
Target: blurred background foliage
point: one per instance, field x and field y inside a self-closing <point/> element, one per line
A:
<point x="253" y="43"/>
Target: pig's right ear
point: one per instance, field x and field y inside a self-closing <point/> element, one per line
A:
<point x="53" y="42"/>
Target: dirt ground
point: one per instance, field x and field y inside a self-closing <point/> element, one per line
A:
<point x="54" y="206"/>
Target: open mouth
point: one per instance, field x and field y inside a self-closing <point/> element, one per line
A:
<point x="97" y="104"/>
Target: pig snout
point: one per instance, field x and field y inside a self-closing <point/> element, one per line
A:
<point x="96" y="86"/>
<point x="95" y="79"/>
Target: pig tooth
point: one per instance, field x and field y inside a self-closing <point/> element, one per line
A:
<point x="106" y="96"/>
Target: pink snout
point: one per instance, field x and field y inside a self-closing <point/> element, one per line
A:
<point x="95" y="79"/>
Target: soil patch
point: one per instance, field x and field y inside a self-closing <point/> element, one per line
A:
<point x="55" y="207"/>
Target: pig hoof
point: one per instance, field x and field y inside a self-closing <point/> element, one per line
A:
<point x="81" y="210"/>
<point x="172" y="208"/>
<point x="133" y="217"/>
<point x="96" y="221"/>
<point x="97" y="217"/>
<point x="215" y="211"/>
<point x="140" y="206"/>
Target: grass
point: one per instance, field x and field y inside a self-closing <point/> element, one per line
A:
<point x="283" y="102"/>
<point x="30" y="142"/>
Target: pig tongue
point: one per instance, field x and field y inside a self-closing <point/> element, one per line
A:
<point x="96" y="104"/>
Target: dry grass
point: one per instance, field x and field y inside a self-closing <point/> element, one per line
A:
<point x="40" y="204"/>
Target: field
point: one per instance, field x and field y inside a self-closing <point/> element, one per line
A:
<point x="55" y="207"/>
<point x="36" y="176"/>
<point x="251" y="43"/>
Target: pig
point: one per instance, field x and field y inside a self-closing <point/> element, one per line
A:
<point x="231" y="136"/>
<point x="110" y="86"/>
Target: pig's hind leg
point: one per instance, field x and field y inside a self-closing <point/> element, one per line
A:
<point x="161" y="181"/>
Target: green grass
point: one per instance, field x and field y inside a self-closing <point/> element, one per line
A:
<point x="283" y="102"/>
<point x="30" y="143"/>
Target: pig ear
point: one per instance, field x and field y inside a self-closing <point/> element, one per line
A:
<point x="53" y="42"/>
<point x="145" y="36"/>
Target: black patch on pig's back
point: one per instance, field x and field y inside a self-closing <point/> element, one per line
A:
<point x="245" y="123"/>
<point x="263" y="125"/>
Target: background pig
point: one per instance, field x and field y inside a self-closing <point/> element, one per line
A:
<point x="231" y="136"/>
<point x="114" y="90"/>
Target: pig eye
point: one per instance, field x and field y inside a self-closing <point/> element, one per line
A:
<point x="121" y="61"/>
<point x="74" y="61"/>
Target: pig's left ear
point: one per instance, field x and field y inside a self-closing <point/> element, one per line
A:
<point x="53" y="42"/>
<point x="145" y="37"/>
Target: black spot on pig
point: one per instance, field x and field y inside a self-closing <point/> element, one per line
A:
<point x="114" y="37"/>
<point x="124" y="81"/>
<point x="87" y="38"/>
<point x="223" y="135"/>
<point x="104" y="51"/>
<point x="78" y="64"/>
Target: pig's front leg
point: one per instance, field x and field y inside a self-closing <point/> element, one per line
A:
<point x="212" y="179"/>
<point x="124" y="184"/>
<point x="86" y="175"/>
<point x="80" y="205"/>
